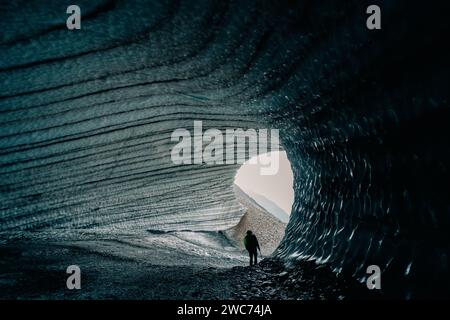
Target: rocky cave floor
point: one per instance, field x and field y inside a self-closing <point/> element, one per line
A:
<point x="181" y="266"/>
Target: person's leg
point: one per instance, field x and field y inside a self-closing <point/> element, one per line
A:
<point x="251" y="257"/>
<point x="256" y="256"/>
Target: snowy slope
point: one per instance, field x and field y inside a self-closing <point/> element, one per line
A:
<point x="270" y="206"/>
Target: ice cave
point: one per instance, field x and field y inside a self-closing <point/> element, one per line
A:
<point x="87" y="116"/>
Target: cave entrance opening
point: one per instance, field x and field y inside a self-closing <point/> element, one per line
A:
<point x="268" y="199"/>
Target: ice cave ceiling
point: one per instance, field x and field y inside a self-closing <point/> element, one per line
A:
<point x="86" y="117"/>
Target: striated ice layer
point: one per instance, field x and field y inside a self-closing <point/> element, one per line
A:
<point x="86" y="118"/>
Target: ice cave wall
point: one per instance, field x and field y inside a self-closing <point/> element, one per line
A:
<point x="86" y="118"/>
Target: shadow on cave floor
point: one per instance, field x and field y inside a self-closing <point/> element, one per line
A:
<point x="37" y="270"/>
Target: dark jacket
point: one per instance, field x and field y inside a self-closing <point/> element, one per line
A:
<point x="251" y="243"/>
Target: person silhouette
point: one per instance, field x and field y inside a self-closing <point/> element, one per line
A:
<point x="252" y="246"/>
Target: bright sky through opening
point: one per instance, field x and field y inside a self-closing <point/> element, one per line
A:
<point x="277" y="188"/>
